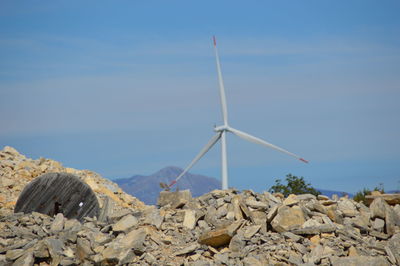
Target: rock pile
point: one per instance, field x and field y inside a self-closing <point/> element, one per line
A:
<point x="16" y="171"/>
<point x="223" y="227"/>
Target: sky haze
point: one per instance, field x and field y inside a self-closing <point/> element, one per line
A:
<point x="129" y="87"/>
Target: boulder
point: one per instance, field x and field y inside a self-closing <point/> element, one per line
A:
<point x="391" y="199"/>
<point x="288" y="218"/>
<point x="189" y="221"/>
<point x="359" y="260"/>
<point x="174" y="199"/>
<point x="378" y="208"/>
<point x="134" y="239"/>
<point x="216" y="238"/>
<point x="125" y="223"/>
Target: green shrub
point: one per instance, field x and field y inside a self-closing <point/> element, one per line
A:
<point x="360" y="195"/>
<point x="295" y="185"/>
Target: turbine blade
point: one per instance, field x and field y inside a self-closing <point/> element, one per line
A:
<point x="251" y="138"/>
<point x="221" y="85"/>
<point x="203" y="151"/>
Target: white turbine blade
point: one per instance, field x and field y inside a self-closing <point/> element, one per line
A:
<point x="206" y="148"/>
<point x="251" y="138"/>
<point x="221" y="85"/>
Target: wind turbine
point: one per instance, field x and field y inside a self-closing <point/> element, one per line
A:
<point x="221" y="132"/>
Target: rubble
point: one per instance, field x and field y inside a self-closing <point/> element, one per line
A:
<point x="223" y="227"/>
<point x="392" y="199"/>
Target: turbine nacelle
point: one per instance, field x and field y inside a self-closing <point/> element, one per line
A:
<point x="221" y="128"/>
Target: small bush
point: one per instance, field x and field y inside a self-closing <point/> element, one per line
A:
<point x="360" y="195"/>
<point x="295" y="185"/>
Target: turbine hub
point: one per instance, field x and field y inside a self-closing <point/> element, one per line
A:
<point x="221" y="128"/>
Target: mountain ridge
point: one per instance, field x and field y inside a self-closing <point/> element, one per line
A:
<point x="147" y="188"/>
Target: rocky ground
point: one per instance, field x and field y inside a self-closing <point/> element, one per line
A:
<point x="223" y="227"/>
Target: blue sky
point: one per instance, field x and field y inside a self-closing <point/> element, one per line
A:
<point x="129" y="87"/>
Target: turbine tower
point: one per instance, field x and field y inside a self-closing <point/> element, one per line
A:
<point x="221" y="132"/>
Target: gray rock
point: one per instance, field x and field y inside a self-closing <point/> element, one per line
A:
<point x="83" y="248"/>
<point x="361" y="260"/>
<point x="288" y="218"/>
<point x="347" y="207"/>
<point x="237" y="243"/>
<point x="306" y="197"/>
<point x="390" y="219"/>
<point x="334" y="214"/>
<point x="316" y="254"/>
<point x="14" y="254"/>
<point x="390" y="255"/>
<point x="58" y="223"/>
<point x="271" y="198"/>
<point x="106" y="210"/>
<point x="114" y="254"/>
<point x="246" y="211"/>
<point x="292" y="236"/>
<point x="362" y="221"/>
<point x="116" y="215"/>
<point x="316" y="206"/>
<point x="26" y="259"/>
<point x="222" y="258"/>
<point x="41" y="250"/>
<point x="68" y="252"/>
<point x="300" y="248"/>
<point x="250" y="231"/>
<point x="202" y="263"/>
<point x="222" y="211"/>
<point x="135" y="240"/>
<point x="3" y="260"/>
<point x="396" y="209"/>
<point x="391" y="199"/>
<point x="394" y="246"/>
<point x="379" y="235"/>
<point x="291" y="200"/>
<point x="236" y="207"/>
<point x="260" y="218"/>
<point x="253" y="261"/>
<point x="216" y="238"/>
<point x="272" y="213"/>
<point x="378" y="208"/>
<point x="72" y="225"/>
<point x="257" y="204"/>
<point x="101" y="238"/>
<point x="186" y="250"/>
<point x="211" y="216"/>
<point x="125" y="223"/>
<point x="153" y="217"/>
<point x="378" y="224"/>
<point x="189" y="221"/>
<point x="219" y="202"/>
<point x="67" y="262"/>
<point x="322" y="197"/>
<point x="174" y="199"/>
<point x="150" y="259"/>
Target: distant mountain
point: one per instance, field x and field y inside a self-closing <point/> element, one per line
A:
<point x="147" y="188"/>
<point x="329" y="193"/>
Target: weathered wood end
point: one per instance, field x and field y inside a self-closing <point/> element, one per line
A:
<point x="54" y="193"/>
